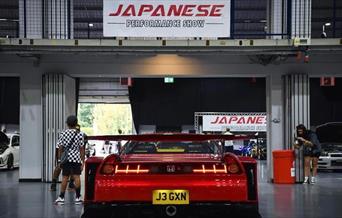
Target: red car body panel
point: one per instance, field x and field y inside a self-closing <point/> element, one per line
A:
<point x="202" y="187"/>
<point x="139" y="187"/>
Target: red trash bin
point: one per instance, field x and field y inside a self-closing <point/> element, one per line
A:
<point x="283" y="166"/>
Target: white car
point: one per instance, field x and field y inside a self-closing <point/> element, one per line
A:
<point x="9" y="150"/>
<point x="330" y="137"/>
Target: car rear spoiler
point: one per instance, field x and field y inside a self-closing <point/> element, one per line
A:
<point x="170" y="137"/>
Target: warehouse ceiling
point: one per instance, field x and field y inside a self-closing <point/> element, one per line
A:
<point x="327" y="11"/>
<point x="9" y="18"/>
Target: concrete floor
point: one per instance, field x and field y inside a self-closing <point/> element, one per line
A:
<point x="34" y="200"/>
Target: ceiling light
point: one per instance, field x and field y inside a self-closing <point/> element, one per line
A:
<point x="90" y="25"/>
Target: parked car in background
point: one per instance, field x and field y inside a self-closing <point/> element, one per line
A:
<point x="9" y="150"/>
<point x="330" y="136"/>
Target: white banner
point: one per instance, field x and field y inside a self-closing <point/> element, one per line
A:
<point x="166" y="18"/>
<point x="236" y="123"/>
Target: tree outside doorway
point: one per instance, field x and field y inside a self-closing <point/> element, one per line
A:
<point x="105" y="119"/>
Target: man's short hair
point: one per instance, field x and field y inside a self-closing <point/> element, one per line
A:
<point x="71" y="121"/>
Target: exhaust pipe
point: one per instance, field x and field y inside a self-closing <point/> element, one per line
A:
<point x="171" y="211"/>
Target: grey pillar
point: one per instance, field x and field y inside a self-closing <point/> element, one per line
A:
<point x="274" y="118"/>
<point x="275" y="19"/>
<point x="51" y="19"/>
<point x="31" y="144"/>
<point x="301" y="19"/>
<point x="59" y="101"/>
<point x="297" y="111"/>
<point x="30" y="19"/>
<point x="58" y="19"/>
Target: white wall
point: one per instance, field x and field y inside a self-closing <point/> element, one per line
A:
<point x="31" y="142"/>
<point x="275" y="122"/>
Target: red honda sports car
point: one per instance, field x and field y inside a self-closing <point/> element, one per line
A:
<point x="171" y="175"/>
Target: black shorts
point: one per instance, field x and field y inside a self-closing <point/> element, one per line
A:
<point x="70" y="168"/>
<point x="312" y="155"/>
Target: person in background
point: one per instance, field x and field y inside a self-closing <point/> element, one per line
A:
<point x="71" y="140"/>
<point x="308" y="140"/>
<point x="119" y="145"/>
<point x="57" y="171"/>
<point x="107" y="147"/>
<point x="228" y="144"/>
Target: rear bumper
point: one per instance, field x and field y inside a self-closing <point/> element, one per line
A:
<point x="205" y="209"/>
<point x="202" y="188"/>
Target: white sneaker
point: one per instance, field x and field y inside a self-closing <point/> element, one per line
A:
<point x="313" y="180"/>
<point x="59" y="200"/>
<point x="78" y="200"/>
<point x="306" y="180"/>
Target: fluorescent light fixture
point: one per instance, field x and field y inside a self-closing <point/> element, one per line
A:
<point x="327" y="24"/>
<point x="11" y="20"/>
<point x="90" y="25"/>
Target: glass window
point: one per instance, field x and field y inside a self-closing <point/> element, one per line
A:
<point x="15" y="141"/>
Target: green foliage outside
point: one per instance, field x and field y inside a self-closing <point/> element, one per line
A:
<point x="103" y="119"/>
<point x="85" y="115"/>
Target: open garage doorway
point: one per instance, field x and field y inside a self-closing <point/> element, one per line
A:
<point x="9" y="125"/>
<point x="104" y="108"/>
<point x="106" y="119"/>
<point x="326" y="120"/>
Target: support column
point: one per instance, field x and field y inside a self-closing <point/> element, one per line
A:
<point x="31" y="144"/>
<point x="51" y="19"/>
<point x="59" y="101"/>
<point x="30" y="19"/>
<point x="58" y="19"/>
<point x="275" y="140"/>
<point x="275" y="18"/>
<point x="297" y="111"/>
<point x="301" y="18"/>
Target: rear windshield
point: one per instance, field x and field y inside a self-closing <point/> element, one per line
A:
<point x="200" y="147"/>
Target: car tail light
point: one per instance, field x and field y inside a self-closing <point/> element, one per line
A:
<point x="230" y="166"/>
<point x="112" y="166"/>
<point x="108" y="165"/>
<point x="206" y="168"/>
<point x="126" y="169"/>
<point x="233" y="166"/>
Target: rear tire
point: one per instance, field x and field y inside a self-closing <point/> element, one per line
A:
<point x="10" y="162"/>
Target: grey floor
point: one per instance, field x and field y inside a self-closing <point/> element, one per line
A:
<point x="323" y="199"/>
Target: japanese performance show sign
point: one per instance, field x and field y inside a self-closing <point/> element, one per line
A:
<point x="166" y="18"/>
<point x="236" y="123"/>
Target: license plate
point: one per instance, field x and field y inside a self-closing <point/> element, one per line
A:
<point x="170" y="197"/>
